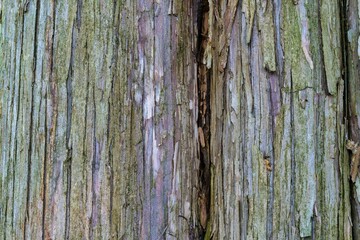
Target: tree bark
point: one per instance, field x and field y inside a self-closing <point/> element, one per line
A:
<point x="352" y="69"/>
<point x="192" y="119"/>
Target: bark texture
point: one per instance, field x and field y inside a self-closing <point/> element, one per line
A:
<point x="179" y="119"/>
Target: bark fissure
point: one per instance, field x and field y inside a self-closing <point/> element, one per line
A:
<point x="204" y="108"/>
<point x="343" y="118"/>
<point x="345" y="50"/>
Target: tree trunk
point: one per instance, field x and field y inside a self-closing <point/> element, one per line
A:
<point x="179" y="119"/>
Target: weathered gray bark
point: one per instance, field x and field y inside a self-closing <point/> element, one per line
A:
<point x="178" y="119"/>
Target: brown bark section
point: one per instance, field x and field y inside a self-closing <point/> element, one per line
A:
<point x="178" y="119"/>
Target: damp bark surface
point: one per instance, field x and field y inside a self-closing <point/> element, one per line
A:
<point x="179" y="119"/>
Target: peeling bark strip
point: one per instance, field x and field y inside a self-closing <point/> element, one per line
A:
<point x="179" y="119"/>
<point x="355" y="159"/>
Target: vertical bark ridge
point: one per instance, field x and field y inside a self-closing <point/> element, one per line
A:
<point x="52" y="107"/>
<point x="94" y="177"/>
<point x="292" y="225"/>
<point x="31" y="124"/>
<point x="40" y="165"/>
<point x="17" y="171"/>
<point x="146" y="61"/>
<point x="68" y="131"/>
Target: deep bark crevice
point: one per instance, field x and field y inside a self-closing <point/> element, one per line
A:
<point x="349" y="119"/>
<point x="345" y="49"/>
<point x="203" y="81"/>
